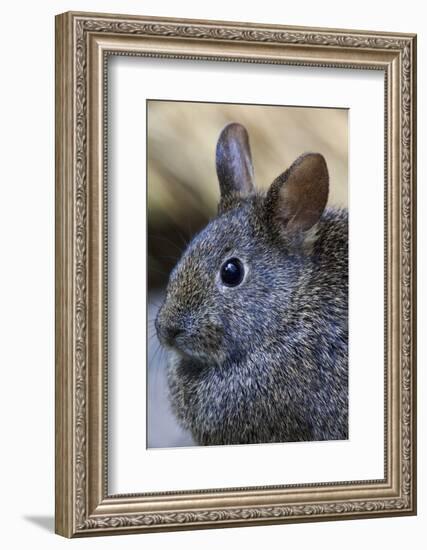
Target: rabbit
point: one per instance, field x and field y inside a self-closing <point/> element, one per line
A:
<point x="255" y="315"/>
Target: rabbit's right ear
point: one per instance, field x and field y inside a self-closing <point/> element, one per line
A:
<point x="297" y="198"/>
<point x="234" y="164"/>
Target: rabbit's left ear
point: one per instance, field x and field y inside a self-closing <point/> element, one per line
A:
<point x="234" y="163"/>
<point x="297" y="198"/>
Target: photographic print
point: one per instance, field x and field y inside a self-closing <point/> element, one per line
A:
<point x="235" y="274"/>
<point x="247" y="274"/>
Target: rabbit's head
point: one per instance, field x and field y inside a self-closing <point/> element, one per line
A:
<point x="234" y="283"/>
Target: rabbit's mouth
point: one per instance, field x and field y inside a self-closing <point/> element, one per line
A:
<point x="203" y="349"/>
<point x="200" y="343"/>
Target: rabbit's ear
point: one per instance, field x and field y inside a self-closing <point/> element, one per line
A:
<point x="297" y="198"/>
<point x="234" y="162"/>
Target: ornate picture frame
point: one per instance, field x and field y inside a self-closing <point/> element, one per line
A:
<point x="84" y="42"/>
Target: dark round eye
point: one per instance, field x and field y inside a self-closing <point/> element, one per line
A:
<point x="232" y="272"/>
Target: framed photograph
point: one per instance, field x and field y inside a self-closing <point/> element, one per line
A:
<point x="235" y="274"/>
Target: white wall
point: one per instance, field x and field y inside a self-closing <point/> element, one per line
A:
<point x="27" y="272"/>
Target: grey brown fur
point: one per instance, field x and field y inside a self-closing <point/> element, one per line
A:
<point x="266" y="361"/>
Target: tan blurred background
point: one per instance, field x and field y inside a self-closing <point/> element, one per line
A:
<point x="183" y="194"/>
<point x="182" y="184"/>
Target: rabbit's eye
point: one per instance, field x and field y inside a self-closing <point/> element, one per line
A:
<point x="232" y="272"/>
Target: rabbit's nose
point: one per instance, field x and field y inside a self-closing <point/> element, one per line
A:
<point x="168" y="333"/>
<point x="172" y="332"/>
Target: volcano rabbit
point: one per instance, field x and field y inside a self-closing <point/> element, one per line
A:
<point x="256" y="310"/>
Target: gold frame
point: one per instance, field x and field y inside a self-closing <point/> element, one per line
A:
<point x="83" y="43"/>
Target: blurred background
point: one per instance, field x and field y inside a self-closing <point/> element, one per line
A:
<point x="183" y="193"/>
